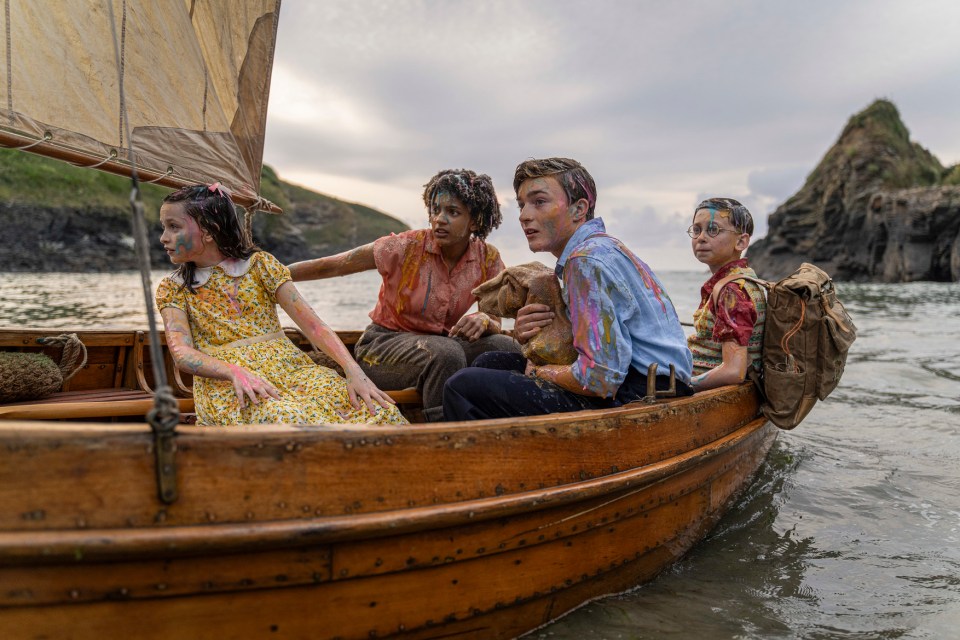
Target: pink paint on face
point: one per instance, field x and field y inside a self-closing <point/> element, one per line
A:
<point x="547" y="218"/>
<point x="184" y="240"/>
<point x="182" y="236"/>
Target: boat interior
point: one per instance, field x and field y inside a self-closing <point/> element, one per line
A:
<point x="116" y="383"/>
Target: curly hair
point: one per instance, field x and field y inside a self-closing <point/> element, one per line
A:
<point x="740" y="217"/>
<point x="215" y="213"/>
<point x="473" y="190"/>
<point x="576" y="181"/>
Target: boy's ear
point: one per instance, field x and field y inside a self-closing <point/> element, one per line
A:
<point x="580" y="209"/>
<point x="743" y="241"/>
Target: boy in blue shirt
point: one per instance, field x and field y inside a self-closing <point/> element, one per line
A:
<point x="622" y="318"/>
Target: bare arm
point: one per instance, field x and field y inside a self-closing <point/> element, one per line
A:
<point x="359" y="386"/>
<point x="342" y="264"/>
<point x="188" y="358"/>
<point x="560" y="375"/>
<point x="733" y="369"/>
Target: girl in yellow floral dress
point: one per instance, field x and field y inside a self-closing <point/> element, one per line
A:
<point x="219" y="311"/>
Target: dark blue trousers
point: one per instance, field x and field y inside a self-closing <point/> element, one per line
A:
<point x="495" y="387"/>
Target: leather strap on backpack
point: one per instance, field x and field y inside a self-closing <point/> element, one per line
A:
<point x="735" y="276"/>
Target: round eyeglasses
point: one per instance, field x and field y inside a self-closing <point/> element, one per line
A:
<point x="712" y="230"/>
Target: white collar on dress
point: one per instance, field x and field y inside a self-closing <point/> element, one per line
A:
<point x="233" y="267"/>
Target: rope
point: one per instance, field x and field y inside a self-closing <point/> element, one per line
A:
<point x="784" y="343"/>
<point x="165" y="412"/>
<point x="6" y="11"/>
<point x="248" y="222"/>
<point x="111" y="156"/>
<point x="47" y="137"/>
<point x="164" y="416"/>
<point x="166" y="175"/>
<point x="74" y="351"/>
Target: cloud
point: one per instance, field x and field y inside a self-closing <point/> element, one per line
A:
<point x="663" y="102"/>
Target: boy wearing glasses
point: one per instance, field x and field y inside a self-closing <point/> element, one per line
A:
<point x="729" y="326"/>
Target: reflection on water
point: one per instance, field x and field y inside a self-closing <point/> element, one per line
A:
<point x="115" y="300"/>
<point x="851" y="529"/>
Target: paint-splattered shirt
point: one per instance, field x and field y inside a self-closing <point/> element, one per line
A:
<point x="621" y="315"/>
<point x="738" y="318"/>
<point x="418" y="293"/>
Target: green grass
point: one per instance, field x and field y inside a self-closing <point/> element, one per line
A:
<point x="31" y="179"/>
<point x="878" y="137"/>
<point x="951" y="176"/>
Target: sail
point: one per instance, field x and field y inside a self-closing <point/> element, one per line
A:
<point x="195" y="77"/>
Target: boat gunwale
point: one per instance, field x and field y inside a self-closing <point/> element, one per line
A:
<point x="57" y="546"/>
<point x="652" y="411"/>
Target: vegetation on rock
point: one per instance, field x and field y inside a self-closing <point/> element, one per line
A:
<point x="878" y="206"/>
<point x="58" y="217"/>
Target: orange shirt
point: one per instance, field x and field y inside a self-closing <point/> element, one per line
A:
<point x="418" y="293"/>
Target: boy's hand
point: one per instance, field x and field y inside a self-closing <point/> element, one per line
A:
<point x="530" y="320"/>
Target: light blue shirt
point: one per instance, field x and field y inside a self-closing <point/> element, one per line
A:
<point x="620" y="313"/>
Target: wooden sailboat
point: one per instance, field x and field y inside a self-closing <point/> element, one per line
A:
<point x="455" y="530"/>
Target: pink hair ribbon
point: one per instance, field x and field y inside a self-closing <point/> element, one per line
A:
<point x="216" y="187"/>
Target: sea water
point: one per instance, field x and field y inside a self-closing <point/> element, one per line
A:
<point x="851" y="529"/>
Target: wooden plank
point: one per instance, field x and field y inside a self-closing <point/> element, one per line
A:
<point x="417" y="600"/>
<point x="93" y="409"/>
<point x="279" y="489"/>
<point x="28" y="337"/>
<point x="93" y="395"/>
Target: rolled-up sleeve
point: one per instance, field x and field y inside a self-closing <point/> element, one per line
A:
<point x="735" y="316"/>
<point x="605" y="350"/>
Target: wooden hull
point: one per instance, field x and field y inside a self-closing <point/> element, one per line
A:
<point x="467" y="530"/>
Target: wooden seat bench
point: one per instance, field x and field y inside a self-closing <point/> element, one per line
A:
<point x="94" y="403"/>
<point x="117" y="403"/>
<point x="122" y="359"/>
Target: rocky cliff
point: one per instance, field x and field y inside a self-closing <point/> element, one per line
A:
<point x="55" y="217"/>
<point x="878" y="207"/>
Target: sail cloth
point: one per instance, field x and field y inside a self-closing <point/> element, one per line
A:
<point x="196" y="79"/>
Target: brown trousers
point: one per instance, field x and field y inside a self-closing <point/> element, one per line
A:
<point x="398" y="359"/>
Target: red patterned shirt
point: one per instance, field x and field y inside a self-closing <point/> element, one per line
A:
<point x="419" y="294"/>
<point x="741" y="309"/>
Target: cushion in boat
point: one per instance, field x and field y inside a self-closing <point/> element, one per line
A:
<point x="28" y="376"/>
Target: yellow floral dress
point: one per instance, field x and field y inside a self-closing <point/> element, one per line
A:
<point x="236" y="300"/>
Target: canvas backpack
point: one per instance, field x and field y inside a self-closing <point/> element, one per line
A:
<point x="806" y="336"/>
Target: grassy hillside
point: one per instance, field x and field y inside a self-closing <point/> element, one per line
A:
<point x="29" y="179"/>
<point x="44" y="201"/>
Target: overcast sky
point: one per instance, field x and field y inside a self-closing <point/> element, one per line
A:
<point x="665" y="103"/>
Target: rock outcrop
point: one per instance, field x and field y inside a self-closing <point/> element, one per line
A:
<point x="98" y="237"/>
<point x="878" y="207"/>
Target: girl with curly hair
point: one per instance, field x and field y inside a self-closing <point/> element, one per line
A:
<point x="421" y="333"/>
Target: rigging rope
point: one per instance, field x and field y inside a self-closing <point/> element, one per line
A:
<point x="165" y="415"/>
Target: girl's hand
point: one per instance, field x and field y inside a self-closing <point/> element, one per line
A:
<point x="474" y="326"/>
<point x="247" y="385"/>
<point x="530" y="320"/>
<point x="361" y="389"/>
